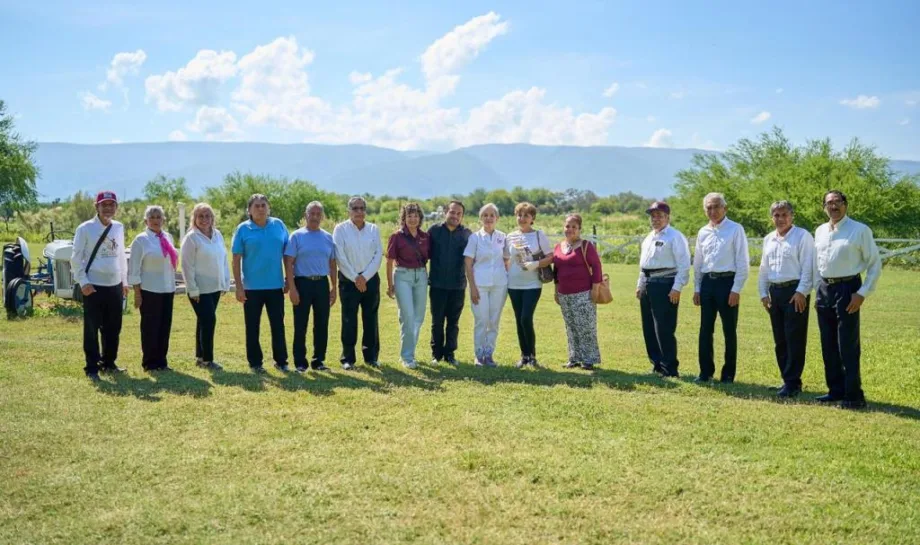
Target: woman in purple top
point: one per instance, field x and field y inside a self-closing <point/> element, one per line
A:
<point x="578" y="269"/>
<point x="407" y="252"/>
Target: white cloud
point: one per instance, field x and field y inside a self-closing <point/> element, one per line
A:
<point x="523" y="117"/>
<point x="905" y="121"/>
<point x="123" y="64"/>
<point x="215" y="124"/>
<point x="651" y="119"/>
<point x="197" y="83"/>
<point x="779" y="91"/>
<point x="862" y="102"/>
<point x="760" y="118"/>
<point x="660" y="139"/>
<point x="177" y="136"/>
<point x="453" y="50"/>
<point x="612" y="90"/>
<point x="92" y="102"/>
<point x="357" y="78"/>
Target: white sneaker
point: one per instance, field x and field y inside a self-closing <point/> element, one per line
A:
<point x="409" y="364"/>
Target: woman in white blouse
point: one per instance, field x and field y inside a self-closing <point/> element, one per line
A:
<point x="486" y="260"/>
<point x="207" y="276"/>
<point x="152" y="273"/>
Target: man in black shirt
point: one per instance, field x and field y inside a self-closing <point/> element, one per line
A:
<point x="447" y="282"/>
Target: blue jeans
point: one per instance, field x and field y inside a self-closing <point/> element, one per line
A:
<point x="411" y="287"/>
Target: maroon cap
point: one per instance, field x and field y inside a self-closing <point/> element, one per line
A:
<point x="106" y="196"/>
<point x="658" y="205"/>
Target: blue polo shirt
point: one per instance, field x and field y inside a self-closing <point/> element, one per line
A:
<point x="311" y="251"/>
<point x="262" y="249"/>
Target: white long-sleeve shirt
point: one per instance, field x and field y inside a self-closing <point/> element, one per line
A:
<point x="787" y="258"/>
<point x="148" y="267"/>
<point x="204" y="263"/>
<point x="847" y="250"/>
<point x="357" y="251"/>
<point x="488" y="252"/>
<point x="666" y="249"/>
<point x="110" y="267"/>
<point x="721" y="248"/>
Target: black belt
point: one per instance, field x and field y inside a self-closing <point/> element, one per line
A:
<point x="784" y="284"/>
<point x="660" y="279"/>
<point x="671" y="271"/>
<point x="319" y="277"/>
<point x="725" y="274"/>
<point x="840" y="279"/>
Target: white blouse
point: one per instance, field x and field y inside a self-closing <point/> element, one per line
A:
<point x="204" y="263"/>
<point x="148" y="266"/>
<point x="488" y="253"/>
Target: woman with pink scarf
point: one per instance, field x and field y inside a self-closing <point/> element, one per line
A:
<point x="152" y="272"/>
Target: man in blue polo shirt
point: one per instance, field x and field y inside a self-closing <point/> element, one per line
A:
<point x="258" y="255"/>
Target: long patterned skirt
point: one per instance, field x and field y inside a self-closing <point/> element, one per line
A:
<point x="580" y="317"/>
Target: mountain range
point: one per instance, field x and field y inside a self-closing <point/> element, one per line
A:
<point x="125" y="168"/>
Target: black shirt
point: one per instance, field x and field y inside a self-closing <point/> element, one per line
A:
<point x="446" y="257"/>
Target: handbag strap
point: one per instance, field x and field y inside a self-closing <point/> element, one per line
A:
<point x="585" y="257"/>
<point x="99" y="242"/>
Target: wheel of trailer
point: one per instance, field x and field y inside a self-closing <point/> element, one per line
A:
<point x="77" y="293"/>
<point x="20" y="294"/>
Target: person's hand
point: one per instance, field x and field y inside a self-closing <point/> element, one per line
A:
<point x="531" y="265"/>
<point x="638" y="293"/>
<point x="766" y="303"/>
<point x="138" y="300"/>
<point x="196" y="298"/>
<point x="474" y="295"/>
<point x="696" y="298"/>
<point x="799" y="301"/>
<point x="361" y="283"/>
<point x="240" y="294"/>
<point x="556" y="297"/>
<point x="332" y="296"/>
<point x="674" y="297"/>
<point x="294" y="295"/>
<point x="124" y="291"/>
<point x="391" y="291"/>
<point x="87" y="289"/>
<point x="856" y="301"/>
<point x="286" y="289"/>
<point x="734" y="299"/>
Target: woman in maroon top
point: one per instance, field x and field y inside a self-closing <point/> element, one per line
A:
<point x="407" y="252"/>
<point x="578" y="269"/>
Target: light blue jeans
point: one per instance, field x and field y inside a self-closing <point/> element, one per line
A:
<point x="411" y="287"/>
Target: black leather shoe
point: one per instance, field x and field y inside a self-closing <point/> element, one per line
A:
<point x="702" y="380"/>
<point x="259" y="370"/>
<point x="283" y="367"/>
<point x="373" y="364"/>
<point x="727" y="380"/>
<point x="788" y="392"/>
<point x="111" y="368"/>
<point x="450" y="360"/>
<point x="828" y="398"/>
<point x="94" y="376"/>
<point x="853" y="405"/>
<point x="319" y="367"/>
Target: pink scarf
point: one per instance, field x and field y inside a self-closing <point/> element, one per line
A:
<point x="168" y="249"/>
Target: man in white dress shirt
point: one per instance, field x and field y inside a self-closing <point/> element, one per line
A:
<point x="720" y="268"/>
<point x="100" y="267"/>
<point x="785" y="282"/>
<point x="664" y="269"/>
<point x="358" y="252"/>
<point x="844" y="249"/>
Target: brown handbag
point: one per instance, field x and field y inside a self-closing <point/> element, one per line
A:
<point x="600" y="293"/>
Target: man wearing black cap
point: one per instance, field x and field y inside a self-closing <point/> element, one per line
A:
<point x="100" y="267"/>
<point x="844" y="249"/>
<point x="664" y="269"/>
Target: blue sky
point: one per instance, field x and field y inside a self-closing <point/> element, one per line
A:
<point x="431" y="75"/>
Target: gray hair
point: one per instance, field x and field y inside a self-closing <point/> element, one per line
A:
<point x="489" y="206"/>
<point x="356" y="199"/>
<point x="153" y="208"/>
<point x="313" y="204"/>
<point x="714" y="197"/>
<point x="257" y="197"/>
<point x="782" y="204"/>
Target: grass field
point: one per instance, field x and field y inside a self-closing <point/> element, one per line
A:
<point x="467" y="455"/>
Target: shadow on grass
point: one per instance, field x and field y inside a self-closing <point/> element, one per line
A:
<point x="149" y="387"/>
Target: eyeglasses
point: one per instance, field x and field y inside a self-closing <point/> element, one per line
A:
<point x="358" y="208"/>
<point x="835" y="202"/>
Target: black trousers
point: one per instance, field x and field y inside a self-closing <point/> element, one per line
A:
<point x="314" y="294"/>
<point x="369" y="302"/>
<point x="790" y="334"/>
<point x="714" y="294"/>
<point x="659" y="322"/>
<point x="102" y="315"/>
<point x="840" y="344"/>
<point x="446" y="308"/>
<point x="273" y="301"/>
<point x="524" y="303"/>
<point x="206" y="311"/>
<point x="156" y="324"/>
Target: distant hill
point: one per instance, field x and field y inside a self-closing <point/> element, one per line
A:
<point x="124" y="168"/>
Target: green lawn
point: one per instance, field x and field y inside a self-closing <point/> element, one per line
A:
<point x="462" y="455"/>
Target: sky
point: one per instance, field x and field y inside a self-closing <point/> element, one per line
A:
<point x="440" y="76"/>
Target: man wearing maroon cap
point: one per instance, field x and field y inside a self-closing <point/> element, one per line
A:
<point x="664" y="269"/>
<point x="100" y="268"/>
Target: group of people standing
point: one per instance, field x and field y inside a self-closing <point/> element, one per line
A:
<point x="315" y="268"/>
<point x="792" y="264"/>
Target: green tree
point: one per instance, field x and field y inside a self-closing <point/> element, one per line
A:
<point x="163" y="190"/>
<point x="18" y="171"/>
<point x="754" y="173"/>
